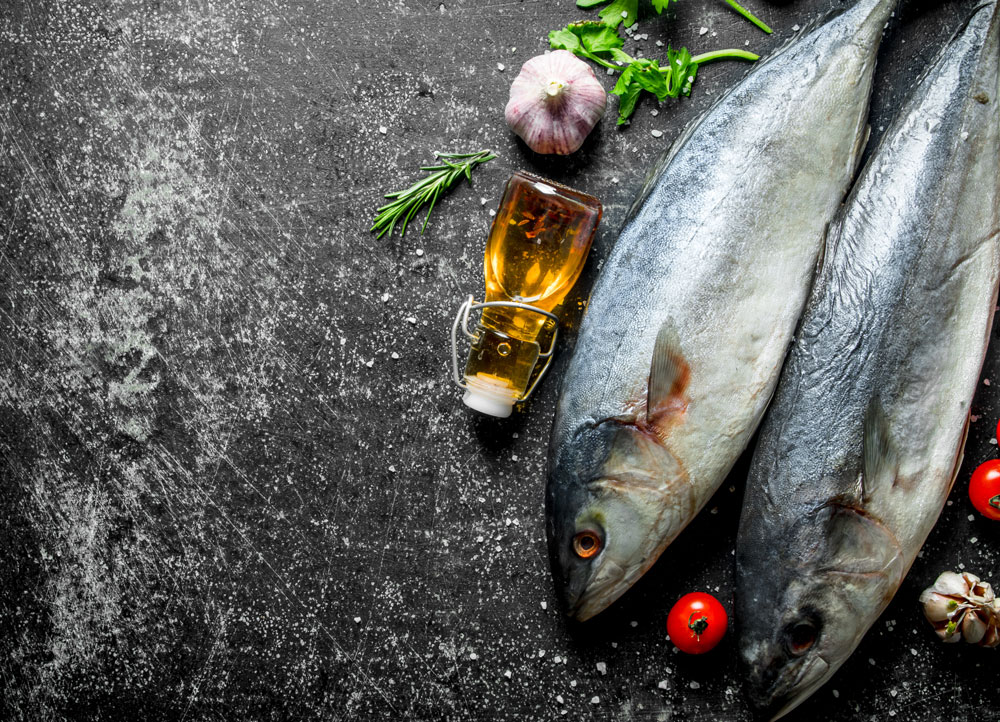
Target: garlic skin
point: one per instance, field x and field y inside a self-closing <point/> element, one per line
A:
<point x="555" y="101"/>
<point x="962" y="606"/>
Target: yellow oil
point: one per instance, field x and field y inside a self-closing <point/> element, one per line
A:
<point x="536" y="250"/>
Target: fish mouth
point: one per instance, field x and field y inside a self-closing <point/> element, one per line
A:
<point x="782" y="697"/>
<point x="599" y="594"/>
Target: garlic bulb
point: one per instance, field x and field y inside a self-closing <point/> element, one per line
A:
<point x="555" y="101"/>
<point x="962" y="606"/>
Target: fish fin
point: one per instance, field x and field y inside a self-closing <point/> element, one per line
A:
<point x="667" y="372"/>
<point x="880" y="459"/>
<point x="858" y="151"/>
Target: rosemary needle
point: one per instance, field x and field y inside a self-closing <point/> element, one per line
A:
<point x="427" y="190"/>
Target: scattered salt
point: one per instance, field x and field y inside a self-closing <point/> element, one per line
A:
<point x="913" y="651"/>
<point x="514" y="457"/>
<point x="545" y="605"/>
<point x="973" y="540"/>
<point x="654" y="112"/>
<point x="572" y="683"/>
<point x="614" y="180"/>
<point x="986" y="382"/>
<point x="694" y="685"/>
<point x="482" y="201"/>
<point x="663" y="684"/>
<point x="357" y="620"/>
<point x="473" y="656"/>
<point x="595" y="699"/>
<point x="559" y="699"/>
<point x="657" y="133"/>
<point x="634" y="623"/>
<point x="659" y="43"/>
<point x="492" y="212"/>
<point x="500" y="67"/>
<point x="507" y="674"/>
<point x="541" y="653"/>
<point x="602" y="667"/>
<point x="394" y="356"/>
<point x="411" y="319"/>
<point x="714" y="510"/>
<point x="369" y="364"/>
<point x="972" y="517"/>
<point x="383" y="130"/>
<point x="702" y="30"/>
<point x="420" y="251"/>
<point x="795" y="28"/>
<point x="836" y="693"/>
<point x="392" y="469"/>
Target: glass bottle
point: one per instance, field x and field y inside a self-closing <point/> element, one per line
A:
<point x="535" y="252"/>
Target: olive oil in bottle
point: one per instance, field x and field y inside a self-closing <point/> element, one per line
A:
<point x="535" y="252"/>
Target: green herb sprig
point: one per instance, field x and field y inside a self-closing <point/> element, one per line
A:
<point x="601" y="43"/>
<point x="408" y="202"/>
<point x="619" y="11"/>
<point x="627" y="11"/>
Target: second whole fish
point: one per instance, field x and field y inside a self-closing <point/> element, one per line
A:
<point x="862" y="443"/>
<point x="691" y="317"/>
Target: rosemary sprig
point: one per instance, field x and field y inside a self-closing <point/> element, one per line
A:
<point x="408" y="202"/>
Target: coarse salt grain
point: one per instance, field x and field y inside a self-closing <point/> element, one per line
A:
<point x="663" y="684"/>
<point x="654" y="112"/>
<point x="602" y="667"/>
<point x="500" y="67"/>
<point x="545" y="605"/>
<point x="508" y="674"/>
<point x="595" y="699"/>
<point x="394" y="356"/>
<point x="411" y="319"/>
<point x="420" y="251"/>
<point x="357" y="620"/>
<point x="795" y="28"/>
<point x="694" y="685"/>
<point x="383" y="130"/>
<point x="702" y="30"/>
<point x="656" y="133"/>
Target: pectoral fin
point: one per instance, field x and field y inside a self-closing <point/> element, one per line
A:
<point x="668" y="372"/>
<point x="881" y="462"/>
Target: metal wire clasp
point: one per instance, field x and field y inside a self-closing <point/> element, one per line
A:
<point x="462" y="321"/>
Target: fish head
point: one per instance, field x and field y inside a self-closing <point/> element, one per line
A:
<point x="803" y="608"/>
<point x="607" y="514"/>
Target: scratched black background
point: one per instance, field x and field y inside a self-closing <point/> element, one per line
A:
<point x="223" y="495"/>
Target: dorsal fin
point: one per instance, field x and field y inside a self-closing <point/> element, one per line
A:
<point x="667" y="372"/>
<point x="880" y="459"/>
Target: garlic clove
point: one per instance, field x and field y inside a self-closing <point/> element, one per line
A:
<point x="992" y="636"/>
<point x="937" y="607"/>
<point x="951" y="583"/>
<point x="950" y="633"/>
<point x="973" y="628"/>
<point x="555" y="101"/>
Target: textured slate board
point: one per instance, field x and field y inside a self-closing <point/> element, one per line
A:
<point x="222" y="496"/>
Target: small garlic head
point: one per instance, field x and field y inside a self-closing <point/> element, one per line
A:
<point x="555" y="101"/>
<point x="962" y="606"/>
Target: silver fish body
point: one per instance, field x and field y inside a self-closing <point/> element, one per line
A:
<point x="697" y="304"/>
<point x="865" y="434"/>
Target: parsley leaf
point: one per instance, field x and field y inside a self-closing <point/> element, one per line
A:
<point x="612" y="14"/>
<point x="601" y="43"/>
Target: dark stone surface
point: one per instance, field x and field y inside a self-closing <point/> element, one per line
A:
<point x="222" y="495"/>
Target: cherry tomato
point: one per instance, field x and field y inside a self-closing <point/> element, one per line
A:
<point x="984" y="489"/>
<point x="696" y="623"/>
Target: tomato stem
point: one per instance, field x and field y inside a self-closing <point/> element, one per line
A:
<point x="698" y="626"/>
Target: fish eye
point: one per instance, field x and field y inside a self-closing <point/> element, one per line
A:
<point x="801" y="636"/>
<point x="586" y="544"/>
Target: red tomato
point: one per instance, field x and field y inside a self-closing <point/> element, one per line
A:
<point x="697" y="623"/>
<point x="984" y="489"/>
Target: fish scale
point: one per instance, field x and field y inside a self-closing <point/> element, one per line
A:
<point x="712" y="269"/>
<point x="862" y="443"/>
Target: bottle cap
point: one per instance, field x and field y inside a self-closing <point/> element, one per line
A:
<point x="493" y="399"/>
